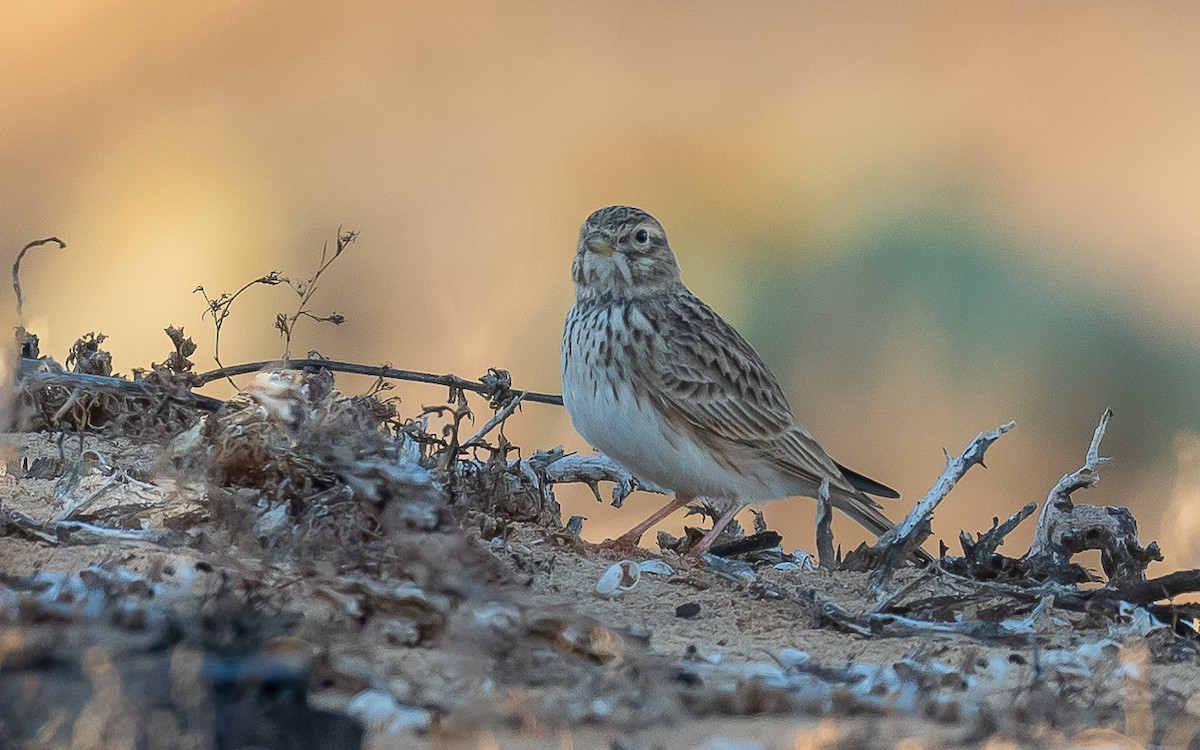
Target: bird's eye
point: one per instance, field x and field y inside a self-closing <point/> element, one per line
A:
<point x="641" y="236"/>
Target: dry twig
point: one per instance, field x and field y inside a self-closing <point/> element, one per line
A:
<point x="286" y="324"/>
<point x="1065" y="528"/>
<point x="896" y="545"/>
<point x="497" y="419"/>
<point x="825" y="554"/>
<point x="36" y="373"/>
<point x="453" y="382"/>
<point x="78" y="532"/>
<point x="16" y="269"/>
<point x="559" y="468"/>
<point x="979" y="551"/>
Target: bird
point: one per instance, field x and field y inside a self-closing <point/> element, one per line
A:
<point x="660" y="383"/>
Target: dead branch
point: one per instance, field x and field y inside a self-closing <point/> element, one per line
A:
<point x="1065" y="529"/>
<point x="378" y="371"/>
<point x="979" y="551"/>
<point x="897" y="544"/>
<point x="16" y="269"/>
<point x="286" y="324"/>
<point x="78" y="532"/>
<point x="1141" y="593"/>
<point x="497" y="418"/>
<point x="559" y="468"/>
<point x="1059" y="500"/>
<point x="43" y="373"/>
<point x="825" y="555"/>
<point x="1004" y="632"/>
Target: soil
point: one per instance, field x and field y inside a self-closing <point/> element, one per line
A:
<point x="429" y="614"/>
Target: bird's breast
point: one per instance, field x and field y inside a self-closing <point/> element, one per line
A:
<point x="612" y="404"/>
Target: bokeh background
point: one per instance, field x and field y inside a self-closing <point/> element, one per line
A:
<point x="929" y="217"/>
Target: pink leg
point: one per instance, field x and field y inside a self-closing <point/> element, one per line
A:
<point x="629" y="540"/>
<point x="707" y="542"/>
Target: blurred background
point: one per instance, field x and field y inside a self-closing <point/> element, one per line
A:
<point x="929" y="217"/>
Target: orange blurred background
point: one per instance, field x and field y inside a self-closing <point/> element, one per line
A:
<point x="929" y="217"/>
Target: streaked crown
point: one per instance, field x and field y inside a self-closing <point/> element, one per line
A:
<point x="623" y="253"/>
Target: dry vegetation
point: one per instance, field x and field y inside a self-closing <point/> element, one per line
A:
<point x="298" y="567"/>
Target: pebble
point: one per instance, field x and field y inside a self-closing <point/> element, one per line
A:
<point x="793" y="657"/>
<point x="688" y="610"/>
<point x="379" y="713"/>
<point x="655" y="566"/>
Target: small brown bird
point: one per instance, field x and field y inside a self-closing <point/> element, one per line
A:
<point x="661" y="384"/>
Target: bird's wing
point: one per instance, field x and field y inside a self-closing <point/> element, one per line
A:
<point x="708" y="377"/>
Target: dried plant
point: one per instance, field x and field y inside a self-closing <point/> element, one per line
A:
<point x="16" y="269"/>
<point x="220" y="307"/>
<point x="286" y="324"/>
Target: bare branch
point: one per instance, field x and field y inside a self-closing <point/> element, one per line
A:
<point x="16" y="269"/>
<point x="978" y="551"/>
<point x="895" y="545"/>
<point x="1059" y="499"/>
<point x="825" y="555"/>
<point x="599" y="468"/>
<point x="78" y="532"/>
<point x="1065" y="529"/>
<point x="497" y="418"/>
<point x="36" y="373"/>
<point x="378" y="371"/>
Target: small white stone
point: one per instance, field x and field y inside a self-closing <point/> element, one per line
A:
<point x="379" y="713"/>
<point x="793" y="657"/>
<point x="372" y="708"/>
<point x="655" y="566"/>
<point x="762" y="670"/>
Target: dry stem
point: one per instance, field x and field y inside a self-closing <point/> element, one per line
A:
<point x="896" y="545"/>
<point x="1059" y="499"/>
<point x="16" y="269"/>
<point x="825" y="554"/>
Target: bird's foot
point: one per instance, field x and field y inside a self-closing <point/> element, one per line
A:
<point x="625" y="543"/>
<point x="701" y="547"/>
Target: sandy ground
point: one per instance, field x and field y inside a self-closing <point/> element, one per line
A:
<point x="478" y="631"/>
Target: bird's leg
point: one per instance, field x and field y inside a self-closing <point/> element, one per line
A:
<point x="718" y="526"/>
<point x="629" y="540"/>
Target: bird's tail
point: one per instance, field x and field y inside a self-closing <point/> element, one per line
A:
<point x="862" y="509"/>
<point x="866" y="484"/>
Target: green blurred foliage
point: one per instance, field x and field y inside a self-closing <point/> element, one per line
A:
<point x="1077" y="350"/>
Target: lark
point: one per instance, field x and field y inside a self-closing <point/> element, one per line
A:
<point x="660" y="383"/>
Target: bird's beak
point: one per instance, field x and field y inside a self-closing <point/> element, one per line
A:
<point x="599" y="244"/>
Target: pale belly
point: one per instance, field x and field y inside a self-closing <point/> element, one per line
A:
<point x="633" y="434"/>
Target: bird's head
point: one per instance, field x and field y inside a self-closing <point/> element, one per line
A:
<point x="623" y="254"/>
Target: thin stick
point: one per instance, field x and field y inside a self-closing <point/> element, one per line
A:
<point x="391" y="373"/>
<point x="78" y="532"/>
<point x="496" y="419"/>
<point x="35" y="373"/>
<point x="16" y="269"/>
<point x="824" y="528"/>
